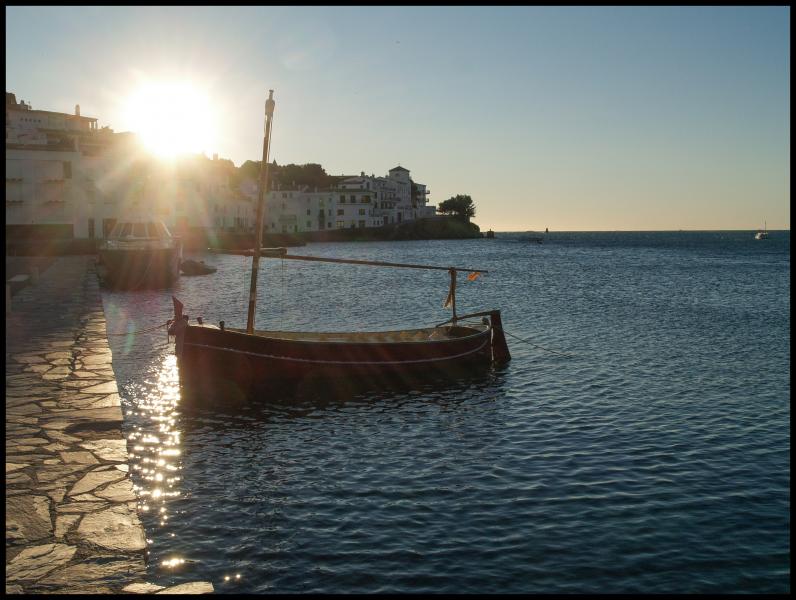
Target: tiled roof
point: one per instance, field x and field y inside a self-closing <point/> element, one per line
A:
<point x="399" y="168"/>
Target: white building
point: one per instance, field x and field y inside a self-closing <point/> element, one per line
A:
<point x="73" y="179"/>
<point x="355" y="202"/>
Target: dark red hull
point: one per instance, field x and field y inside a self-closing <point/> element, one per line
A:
<point x="232" y="364"/>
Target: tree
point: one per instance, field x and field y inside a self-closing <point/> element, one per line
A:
<point x="461" y="206"/>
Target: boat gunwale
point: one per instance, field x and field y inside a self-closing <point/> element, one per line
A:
<point x="258" y="334"/>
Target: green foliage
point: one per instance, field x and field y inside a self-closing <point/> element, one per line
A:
<point x="288" y="176"/>
<point x="460" y="206"/>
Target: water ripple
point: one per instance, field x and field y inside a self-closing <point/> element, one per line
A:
<point x="655" y="460"/>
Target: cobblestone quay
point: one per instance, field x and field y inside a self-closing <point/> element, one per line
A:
<point x="72" y="524"/>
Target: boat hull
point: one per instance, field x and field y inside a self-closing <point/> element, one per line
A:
<point x="231" y="365"/>
<point x="140" y="267"/>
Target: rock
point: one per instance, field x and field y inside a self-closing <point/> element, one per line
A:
<point x="17" y="479"/>
<point x="103" y="388"/>
<point x="116" y="528"/>
<point x="28" y="441"/>
<point x="63" y="523"/>
<point x="93" y="480"/>
<point x="80" y="507"/>
<point x="96" y="571"/>
<point x="108" y="449"/>
<point x="141" y="588"/>
<point x="57" y="495"/>
<point x="11" y="467"/>
<point x="83" y="458"/>
<point x="121" y="491"/>
<point x="38" y="561"/>
<point x="196" y="587"/>
<point x="57" y="472"/>
<point x="30" y="359"/>
<point x="28" y="518"/>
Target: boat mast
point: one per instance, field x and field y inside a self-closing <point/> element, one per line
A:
<point x="262" y="190"/>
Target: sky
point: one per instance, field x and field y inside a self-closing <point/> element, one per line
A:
<point x="571" y="118"/>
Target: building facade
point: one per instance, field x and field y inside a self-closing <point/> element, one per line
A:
<point x="66" y="176"/>
<point x="69" y="177"/>
<point x="362" y="201"/>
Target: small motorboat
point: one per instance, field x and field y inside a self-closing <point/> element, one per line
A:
<point x="194" y="267"/>
<point x="139" y="253"/>
<point x="762" y="234"/>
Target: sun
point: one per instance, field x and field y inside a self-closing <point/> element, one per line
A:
<point x="172" y="118"/>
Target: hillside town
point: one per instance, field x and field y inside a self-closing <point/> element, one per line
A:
<point x="68" y="179"/>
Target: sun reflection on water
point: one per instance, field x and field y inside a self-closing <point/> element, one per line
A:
<point x="156" y="454"/>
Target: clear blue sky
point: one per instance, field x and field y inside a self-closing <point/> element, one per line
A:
<point x="645" y="118"/>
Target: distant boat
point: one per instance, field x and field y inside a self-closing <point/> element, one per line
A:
<point x="139" y="253"/>
<point x="490" y="234"/>
<point x="545" y="230"/>
<point x="762" y="234"/>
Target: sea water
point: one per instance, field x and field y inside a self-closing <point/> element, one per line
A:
<point x="638" y="441"/>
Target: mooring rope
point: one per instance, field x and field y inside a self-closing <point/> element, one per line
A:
<point x="567" y="354"/>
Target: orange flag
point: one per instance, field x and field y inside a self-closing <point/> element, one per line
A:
<point x="474" y="275"/>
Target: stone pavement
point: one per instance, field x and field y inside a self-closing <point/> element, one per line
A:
<point x="71" y="511"/>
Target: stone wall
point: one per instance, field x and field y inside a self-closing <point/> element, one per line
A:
<point x="71" y="511"/>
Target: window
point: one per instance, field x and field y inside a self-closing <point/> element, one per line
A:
<point x="284" y="195"/>
<point x="67" y="170"/>
<point x="329" y="225"/>
<point x="342" y="198"/>
<point x="362" y="223"/>
<point x="308" y="212"/>
<point x="340" y="212"/>
<point x="353" y="198"/>
<point x="330" y="212"/>
<point x="309" y="225"/>
<point x="361" y="211"/>
<point x="366" y="199"/>
<point x="340" y="224"/>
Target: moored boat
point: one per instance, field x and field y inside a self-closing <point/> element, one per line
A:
<point x="139" y="253"/>
<point x="762" y="234"/>
<point x="214" y="359"/>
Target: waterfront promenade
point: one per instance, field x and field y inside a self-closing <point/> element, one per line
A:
<point x="71" y="509"/>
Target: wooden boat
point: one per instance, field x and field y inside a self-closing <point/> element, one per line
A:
<point x="762" y="234"/>
<point x="217" y="360"/>
<point x="230" y="362"/>
<point x="194" y="267"/>
<point x="139" y="253"/>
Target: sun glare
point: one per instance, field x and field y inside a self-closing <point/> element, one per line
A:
<point x="172" y="118"/>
